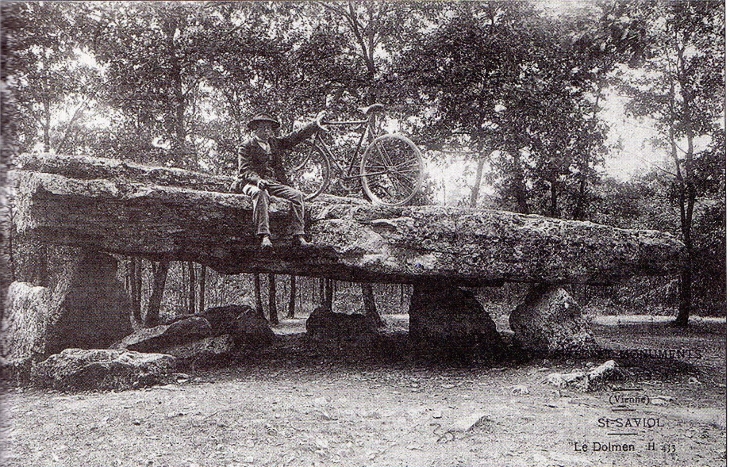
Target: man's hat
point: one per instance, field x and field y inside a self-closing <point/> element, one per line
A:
<point x="263" y="118"/>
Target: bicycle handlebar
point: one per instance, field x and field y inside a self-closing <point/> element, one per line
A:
<point x="377" y="107"/>
<point x="344" y="122"/>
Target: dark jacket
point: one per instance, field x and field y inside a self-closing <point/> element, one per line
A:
<point x="254" y="163"/>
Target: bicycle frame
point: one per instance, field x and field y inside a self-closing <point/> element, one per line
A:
<point x="387" y="167"/>
<point x="368" y="133"/>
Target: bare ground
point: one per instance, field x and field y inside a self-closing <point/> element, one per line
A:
<point x="299" y="404"/>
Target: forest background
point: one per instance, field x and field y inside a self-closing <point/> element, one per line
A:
<point x="522" y="99"/>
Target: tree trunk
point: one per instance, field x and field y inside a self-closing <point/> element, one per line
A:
<point x="46" y="127"/>
<point x="685" y="296"/>
<point x="191" y="288"/>
<point x="687" y="198"/>
<point x="159" y="274"/>
<point x="368" y="300"/>
<point x="273" y="313"/>
<point x="257" y="293"/>
<point x="519" y="191"/>
<point x="77" y="114"/>
<point x="322" y="287"/>
<point x="135" y="287"/>
<point x="474" y="195"/>
<point x="554" y="199"/>
<point x="201" y="288"/>
<point x="171" y="25"/>
<point x="580" y="209"/>
<point x="292" y="296"/>
<point x="329" y="294"/>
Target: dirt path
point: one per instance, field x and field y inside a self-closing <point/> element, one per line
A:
<point x="297" y="405"/>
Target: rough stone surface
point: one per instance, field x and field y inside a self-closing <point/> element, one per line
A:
<point x="203" y="352"/>
<point x="83" y="306"/>
<point x="180" y="215"/>
<point x="452" y="321"/>
<point x="164" y="336"/>
<point x="585" y="381"/>
<point x="25" y="320"/>
<point x="80" y="369"/>
<point x="222" y="319"/>
<point x="15" y="372"/>
<point x="550" y="321"/>
<point x="252" y="331"/>
<point x="323" y="324"/>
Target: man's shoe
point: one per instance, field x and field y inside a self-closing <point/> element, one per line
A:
<point x="301" y="242"/>
<point x="266" y="243"/>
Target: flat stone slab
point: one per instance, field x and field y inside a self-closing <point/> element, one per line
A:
<point x="173" y="214"/>
<point x="102" y="369"/>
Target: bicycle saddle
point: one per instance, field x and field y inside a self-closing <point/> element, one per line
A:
<point x="371" y="108"/>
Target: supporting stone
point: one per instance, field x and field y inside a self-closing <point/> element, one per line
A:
<point x="324" y="324"/>
<point x="82" y="306"/>
<point x="451" y="321"/>
<point x="549" y="321"/>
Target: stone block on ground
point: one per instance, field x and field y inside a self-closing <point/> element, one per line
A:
<point x="25" y="319"/>
<point x="102" y="369"/>
<point x="203" y="352"/>
<point x="323" y="324"/>
<point x="158" y="338"/>
<point x="451" y="321"/>
<point x="15" y="372"/>
<point x="585" y="381"/>
<point x="252" y="331"/>
<point x="222" y="319"/>
<point x="82" y="305"/>
<point x="549" y="321"/>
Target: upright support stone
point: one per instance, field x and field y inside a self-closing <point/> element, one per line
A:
<point x="451" y="321"/>
<point x="83" y="306"/>
<point x="549" y="321"/>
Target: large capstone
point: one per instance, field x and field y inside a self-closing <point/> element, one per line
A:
<point x="550" y="321"/>
<point x="450" y="320"/>
<point x="173" y="214"/>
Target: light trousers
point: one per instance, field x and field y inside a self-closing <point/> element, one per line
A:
<point x="261" y="199"/>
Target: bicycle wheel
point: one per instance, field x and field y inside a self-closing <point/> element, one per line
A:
<point x="391" y="170"/>
<point x="308" y="170"/>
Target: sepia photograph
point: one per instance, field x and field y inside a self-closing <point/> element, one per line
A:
<point x="428" y="233"/>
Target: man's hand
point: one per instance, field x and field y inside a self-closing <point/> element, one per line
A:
<point x="318" y="121"/>
<point x="236" y="186"/>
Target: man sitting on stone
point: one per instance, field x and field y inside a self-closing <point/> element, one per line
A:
<point x="261" y="174"/>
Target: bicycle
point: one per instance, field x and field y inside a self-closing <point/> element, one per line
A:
<point x="389" y="169"/>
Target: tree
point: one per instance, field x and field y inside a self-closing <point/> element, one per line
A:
<point x="523" y="112"/>
<point x="159" y="276"/>
<point x="201" y="287"/>
<point x="42" y="73"/>
<point x="150" y="53"/>
<point x="680" y="88"/>
<point x="273" y="311"/>
<point x="292" y="296"/>
<point x="135" y="286"/>
<point x="369" y="303"/>
<point x="257" y="294"/>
